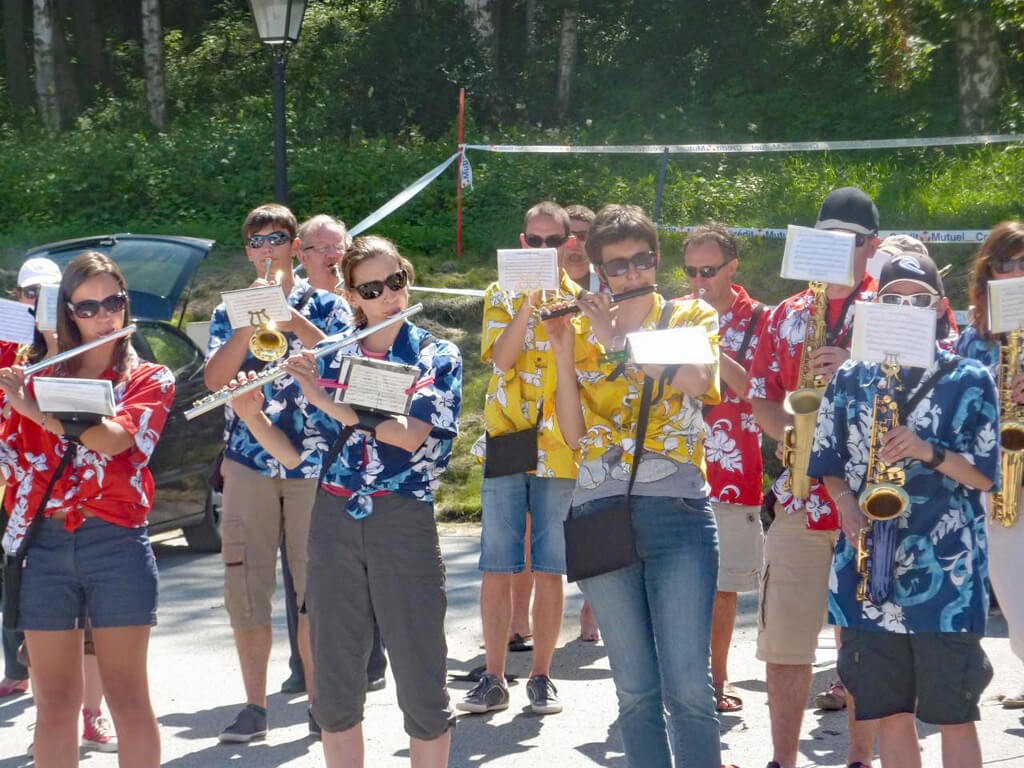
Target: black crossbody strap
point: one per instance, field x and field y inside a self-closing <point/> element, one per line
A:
<point x="945" y="367"/>
<point x="33" y="526"/>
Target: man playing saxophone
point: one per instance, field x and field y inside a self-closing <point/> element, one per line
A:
<point x="798" y="546"/>
<point x="914" y="647"/>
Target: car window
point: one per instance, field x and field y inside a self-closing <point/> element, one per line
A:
<point x="169" y="347"/>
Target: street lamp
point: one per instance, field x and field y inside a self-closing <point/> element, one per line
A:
<point x="278" y="23"/>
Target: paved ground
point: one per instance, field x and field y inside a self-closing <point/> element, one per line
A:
<point x="197" y="691"/>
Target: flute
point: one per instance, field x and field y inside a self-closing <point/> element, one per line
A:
<point x="326" y="347"/>
<point x="572" y="309"/>
<point x="62" y="356"/>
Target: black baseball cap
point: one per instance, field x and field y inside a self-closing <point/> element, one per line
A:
<point x="848" y="208"/>
<point x="914" y="267"/>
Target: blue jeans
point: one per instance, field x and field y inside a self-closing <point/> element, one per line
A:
<point x="655" y="618"/>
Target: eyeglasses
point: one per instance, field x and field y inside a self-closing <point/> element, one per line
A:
<point x="641" y="261"/>
<point x="580" y="235"/>
<point x="30" y="292"/>
<point x="860" y="240"/>
<point x="323" y="250"/>
<point x="913" y="299"/>
<point x="375" y="288"/>
<point x="1006" y="266"/>
<point x="551" y="241"/>
<point x="90" y="307"/>
<point x="274" y="238"/>
<point x="706" y="272"/>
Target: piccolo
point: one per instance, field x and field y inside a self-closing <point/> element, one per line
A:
<point x="326" y="347"/>
<point x="572" y="309"/>
<point x="128" y="330"/>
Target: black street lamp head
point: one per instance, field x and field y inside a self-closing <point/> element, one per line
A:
<point x="278" y="22"/>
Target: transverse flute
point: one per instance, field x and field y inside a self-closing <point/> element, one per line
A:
<point x="572" y="309"/>
<point x="67" y="354"/>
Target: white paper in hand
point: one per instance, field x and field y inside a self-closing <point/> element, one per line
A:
<point x="17" y="323"/>
<point x="256" y="306"/>
<point x="82" y="396"/>
<point x="883" y="330"/>
<point x="820" y="255"/>
<point x="1006" y="305"/>
<point x="686" y="345"/>
<point x="528" y="269"/>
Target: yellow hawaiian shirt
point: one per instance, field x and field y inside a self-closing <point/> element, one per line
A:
<point x="675" y="425"/>
<point x="512" y="396"/>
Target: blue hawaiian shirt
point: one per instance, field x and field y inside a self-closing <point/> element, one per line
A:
<point x="286" y="406"/>
<point x="974" y="346"/>
<point x="941" y="563"/>
<point x="365" y="466"/>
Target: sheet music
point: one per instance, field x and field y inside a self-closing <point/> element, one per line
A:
<point x="254" y="306"/>
<point x="17" y="322"/>
<point x="528" y="269"/>
<point x="822" y="255"/>
<point x="376" y="384"/>
<point x="883" y="329"/>
<point x="1006" y="305"/>
<point x="686" y="345"/>
<point x="62" y="395"/>
<point x="46" y="307"/>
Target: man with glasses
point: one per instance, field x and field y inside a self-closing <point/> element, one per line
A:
<point x="263" y="500"/>
<point x="798" y="546"/>
<point x="519" y="410"/>
<point x="913" y="646"/>
<point x="321" y="244"/>
<point x="733" y="443"/>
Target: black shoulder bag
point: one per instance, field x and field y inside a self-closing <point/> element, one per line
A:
<point x="14" y="564"/>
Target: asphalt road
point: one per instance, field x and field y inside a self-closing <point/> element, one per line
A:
<point x="197" y="691"/>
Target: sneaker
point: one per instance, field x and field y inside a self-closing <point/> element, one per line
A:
<point x="250" y="724"/>
<point x="832" y="698"/>
<point x="9" y="687"/>
<point x="376" y="684"/>
<point x="314" y="726"/>
<point x="487" y="695"/>
<point x="543" y="695"/>
<point x="97" y="733"/>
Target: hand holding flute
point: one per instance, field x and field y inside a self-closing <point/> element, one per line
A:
<point x="574" y="308"/>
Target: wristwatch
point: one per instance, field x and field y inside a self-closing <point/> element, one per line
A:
<point x="938" y="456"/>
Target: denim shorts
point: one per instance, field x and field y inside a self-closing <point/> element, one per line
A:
<point x="103" y="571"/>
<point x="505" y="501"/>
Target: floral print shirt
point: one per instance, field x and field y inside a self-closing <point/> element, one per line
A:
<point x="941" y="563"/>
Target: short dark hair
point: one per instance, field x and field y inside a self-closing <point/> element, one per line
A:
<point x="273" y="214"/>
<point x="614" y="223"/>
<point x="548" y="208"/>
<point x="713" y="232"/>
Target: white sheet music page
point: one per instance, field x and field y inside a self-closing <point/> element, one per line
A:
<point x="686" y="345"/>
<point x="17" y="322"/>
<point x="822" y="255"/>
<point x="880" y="330"/>
<point x="1006" y="305"/>
<point x="379" y="385"/>
<point x="62" y="395"/>
<point x="46" y="307"/>
<point x="528" y="269"/>
<point x="256" y="306"/>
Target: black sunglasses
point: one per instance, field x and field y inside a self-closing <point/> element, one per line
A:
<point x="860" y="240"/>
<point x="706" y="272"/>
<point x="1006" y="266"/>
<point x="551" y="241"/>
<point x="641" y="261"/>
<point x="274" y="238"/>
<point x="375" y="288"/>
<point x="30" y="292"/>
<point x="90" y="307"/>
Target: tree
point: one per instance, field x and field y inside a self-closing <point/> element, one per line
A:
<point x="980" y="70"/>
<point x="153" y="63"/>
<point x="18" y="85"/>
<point x="46" y="70"/>
<point x="566" y="59"/>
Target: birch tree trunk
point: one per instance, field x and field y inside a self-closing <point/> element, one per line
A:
<point x="46" y="70"/>
<point x="153" y="61"/>
<point x="980" y="70"/>
<point x="566" y="60"/>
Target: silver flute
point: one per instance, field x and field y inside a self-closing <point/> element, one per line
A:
<point x="128" y="330"/>
<point x="326" y="347"/>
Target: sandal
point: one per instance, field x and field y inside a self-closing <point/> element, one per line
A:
<point x="726" y="699"/>
<point x="518" y="644"/>
<point x="833" y="698"/>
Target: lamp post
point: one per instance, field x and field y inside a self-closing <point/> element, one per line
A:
<point x="278" y="23"/>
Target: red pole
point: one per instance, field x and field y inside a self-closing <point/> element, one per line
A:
<point x="458" y="176"/>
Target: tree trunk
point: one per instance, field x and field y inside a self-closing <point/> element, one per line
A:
<point x="566" y="60"/>
<point x="67" y="83"/>
<point x="90" y="48"/>
<point x="530" y="24"/>
<point x="980" y="67"/>
<point x="19" y="89"/>
<point x="153" y="60"/>
<point x="46" y="71"/>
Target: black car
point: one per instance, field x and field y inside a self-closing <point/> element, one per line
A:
<point x="159" y="270"/>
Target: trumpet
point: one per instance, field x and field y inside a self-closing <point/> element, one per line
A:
<point x="573" y="309"/>
<point x="326" y="347"/>
<point x="267" y="343"/>
<point x="128" y="330"/>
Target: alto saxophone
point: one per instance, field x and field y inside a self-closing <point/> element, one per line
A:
<point x="883" y="498"/>
<point x="803" y="403"/>
<point x="1005" y="503"/>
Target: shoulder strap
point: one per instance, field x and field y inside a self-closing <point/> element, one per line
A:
<point x="37" y="520"/>
<point x="645" y="403"/>
<point x="944" y="368"/>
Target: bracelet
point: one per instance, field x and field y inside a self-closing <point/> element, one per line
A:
<point x="841" y="494"/>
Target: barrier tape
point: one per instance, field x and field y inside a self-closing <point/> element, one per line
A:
<point x="402" y="197"/>
<point x="938" y="236"/>
<point x="773" y="146"/>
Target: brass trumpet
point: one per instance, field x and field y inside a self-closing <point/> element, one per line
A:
<point x="267" y="343"/>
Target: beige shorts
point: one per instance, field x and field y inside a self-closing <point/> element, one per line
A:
<point x="257" y="511"/>
<point x="740" y="546"/>
<point x="794" y="589"/>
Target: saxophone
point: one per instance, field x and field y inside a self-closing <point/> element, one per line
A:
<point x="1005" y="504"/>
<point x="883" y="499"/>
<point x="803" y="404"/>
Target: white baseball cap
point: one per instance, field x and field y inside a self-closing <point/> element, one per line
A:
<point x="38" y="271"/>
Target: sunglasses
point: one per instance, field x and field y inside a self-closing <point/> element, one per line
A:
<point x="914" y="299"/>
<point x="860" y="240"/>
<point x="580" y="235"/>
<point x="1006" y="266"/>
<point x="90" y="307"/>
<point x="641" y="261"/>
<point x="375" y="288"/>
<point x="274" y="238"/>
<point x="30" y="292"/>
<point x="706" y="272"/>
<point x="551" y="241"/>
